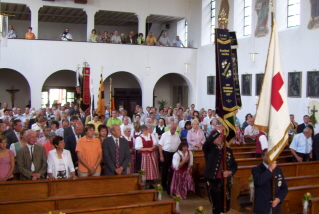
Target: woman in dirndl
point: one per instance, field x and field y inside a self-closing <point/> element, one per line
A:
<point x="146" y="146"/>
<point x="127" y="136"/>
<point x="182" y="181"/>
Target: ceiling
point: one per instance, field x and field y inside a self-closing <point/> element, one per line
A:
<point x="78" y="16"/>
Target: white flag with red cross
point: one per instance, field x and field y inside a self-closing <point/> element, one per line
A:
<point x="272" y="114"/>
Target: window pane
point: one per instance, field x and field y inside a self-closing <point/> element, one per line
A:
<point x="293" y="11"/>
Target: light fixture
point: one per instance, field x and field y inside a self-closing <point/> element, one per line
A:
<point x="186" y="67"/>
<point x="148" y="71"/>
<point x="253" y="56"/>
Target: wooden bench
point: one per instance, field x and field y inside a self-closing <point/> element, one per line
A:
<point x="240" y="179"/>
<point x="78" y="202"/>
<point x="257" y="161"/>
<point x="295" y="194"/>
<point x="22" y="190"/>
<point x="158" y="207"/>
<point x="314" y="205"/>
<point x="241" y="155"/>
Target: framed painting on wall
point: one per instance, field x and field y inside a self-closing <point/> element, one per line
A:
<point x="259" y="82"/>
<point x="313" y="84"/>
<point x="294" y="84"/>
<point x="210" y="85"/>
<point x="246" y="84"/>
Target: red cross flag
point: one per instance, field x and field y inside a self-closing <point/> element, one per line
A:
<point x="272" y="111"/>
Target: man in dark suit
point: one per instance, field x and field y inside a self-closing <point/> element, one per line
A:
<point x="214" y="172"/>
<point x="116" y="153"/>
<point x="31" y="159"/>
<point x="71" y="141"/>
<point x="302" y="126"/>
<point x="70" y="130"/>
<point x="14" y="135"/>
<point x="263" y="178"/>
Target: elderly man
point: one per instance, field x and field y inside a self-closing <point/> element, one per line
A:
<point x="301" y="146"/>
<point x="14" y="135"/>
<point x="177" y="42"/>
<point x="116" y="38"/>
<point x="31" y="159"/>
<point x="168" y="145"/>
<point x="125" y="123"/>
<point x="305" y="124"/>
<point x="250" y="132"/>
<point x="43" y="140"/>
<point x="89" y="153"/>
<point x="214" y="172"/>
<point x="72" y="140"/>
<point x="116" y="152"/>
<point x="164" y="40"/>
<point x="150" y="39"/>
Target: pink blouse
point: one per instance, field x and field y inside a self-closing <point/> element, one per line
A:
<point x="5" y="165"/>
<point x="194" y="138"/>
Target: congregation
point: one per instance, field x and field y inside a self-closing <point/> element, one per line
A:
<point x="64" y="142"/>
<point x="114" y="37"/>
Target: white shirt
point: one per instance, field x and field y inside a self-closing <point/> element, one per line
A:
<point x="263" y="142"/>
<point x="118" y="141"/>
<point x="177" y="158"/>
<point x="170" y="142"/>
<point x="53" y="162"/>
<point x="29" y="147"/>
<point x="60" y="132"/>
<point x="249" y="130"/>
<point x="181" y="124"/>
<point x="67" y="36"/>
<point x="207" y="120"/>
<point x="139" y="141"/>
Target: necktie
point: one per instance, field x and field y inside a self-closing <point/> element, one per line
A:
<point x="117" y="150"/>
<point x="32" y="153"/>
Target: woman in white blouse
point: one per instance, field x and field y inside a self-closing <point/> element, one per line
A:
<point x="60" y="163"/>
<point x="182" y="181"/>
<point x="146" y="145"/>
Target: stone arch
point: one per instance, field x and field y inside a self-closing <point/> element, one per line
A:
<point x="126" y="88"/>
<point x="11" y="77"/>
<point x="63" y="79"/>
<point x="174" y="88"/>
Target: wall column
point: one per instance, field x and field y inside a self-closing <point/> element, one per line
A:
<point x="34" y="20"/>
<point x="90" y="14"/>
<point x="142" y="23"/>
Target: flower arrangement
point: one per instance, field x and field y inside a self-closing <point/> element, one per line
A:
<point x="306" y="197"/>
<point x="177" y="198"/>
<point x="159" y="188"/>
<point x="200" y="210"/>
<point x="251" y="179"/>
<point x="142" y="172"/>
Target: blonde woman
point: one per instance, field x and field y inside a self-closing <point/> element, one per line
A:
<point x="195" y="136"/>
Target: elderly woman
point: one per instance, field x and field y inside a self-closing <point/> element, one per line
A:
<point x="123" y="39"/>
<point x="212" y="126"/>
<point x="18" y="145"/>
<point x="182" y="181"/>
<point x="7" y="161"/>
<point x="146" y="146"/>
<point x="195" y="136"/>
<point x="93" y="37"/>
<point x="60" y="163"/>
<point x="127" y="135"/>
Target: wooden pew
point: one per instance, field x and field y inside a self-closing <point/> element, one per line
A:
<point x="22" y="190"/>
<point x="257" y="161"/>
<point x="241" y="155"/>
<point x="240" y="179"/>
<point x="295" y="194"/>
<point x="158" y="207"/>
<point x="78" y="202"/>
<point x="314" y="205"/>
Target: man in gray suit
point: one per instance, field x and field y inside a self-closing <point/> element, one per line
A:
<point x="31" y="159"/>
<point x="116" y="153"/>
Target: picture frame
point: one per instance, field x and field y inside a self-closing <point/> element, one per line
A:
<point x="259" y="82"/>
<point x="294" y="84"/>
<point x="246" y="80"/>
<point x="313" y="84"/>
<point x="211" y="84"/>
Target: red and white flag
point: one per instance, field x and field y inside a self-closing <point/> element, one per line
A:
<point x="272" y="112"/>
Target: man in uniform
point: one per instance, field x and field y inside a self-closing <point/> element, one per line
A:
<point x="214" y="172"/>
<point x="263" y="177"/>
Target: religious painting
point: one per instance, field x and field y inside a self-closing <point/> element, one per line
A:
<point x="262" y="10"/>
<point x="246" y="84"/>
<point x="314" y="13"/>
<point x="259" y="82"/>
<point x="211" y="85"/>
<point x="294" y="84"/>
<point x="313" y="84"/>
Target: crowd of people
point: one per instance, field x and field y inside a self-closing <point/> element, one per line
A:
<point x="62" y="141"/>
<point x="113" y="37"/>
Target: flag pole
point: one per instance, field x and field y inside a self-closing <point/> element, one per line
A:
<point x="111" y="93"/>
<point x="224" y="178"/>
